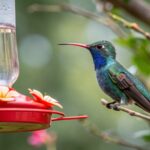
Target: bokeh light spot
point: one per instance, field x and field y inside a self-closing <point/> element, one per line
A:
<point x="35" y="50"/>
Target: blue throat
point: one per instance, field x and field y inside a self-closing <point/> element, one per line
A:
<point x="99" y="60"/>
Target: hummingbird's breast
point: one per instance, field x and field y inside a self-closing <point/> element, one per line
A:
<point x="104" y="80"/>
<point x="107" y="85"/>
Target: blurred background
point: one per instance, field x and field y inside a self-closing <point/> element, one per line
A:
<point x="67" y="74"/>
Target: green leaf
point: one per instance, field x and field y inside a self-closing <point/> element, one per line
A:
<point x="146" y="138"/>
<point x="142" y="62"/>
<point x="143" y="134"/>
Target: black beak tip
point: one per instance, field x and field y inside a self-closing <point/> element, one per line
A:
<point x="61" y="44"/>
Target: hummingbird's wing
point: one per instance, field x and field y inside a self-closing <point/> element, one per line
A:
<point x="123" y="82"/>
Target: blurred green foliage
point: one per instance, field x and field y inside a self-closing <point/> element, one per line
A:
<point x="67" y="74"/>
<point x="146" y="138"/>
<point x="141" y="49"/>
<point x="126" y="1"/>
<point x="143" y="134"/>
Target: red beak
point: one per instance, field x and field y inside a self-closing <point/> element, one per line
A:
<point x="76" y="44"/>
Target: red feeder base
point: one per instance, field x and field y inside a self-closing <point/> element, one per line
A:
<point x="25" y="114"/>
<point x="25" y="119"/>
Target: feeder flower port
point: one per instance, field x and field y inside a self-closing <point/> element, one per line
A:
<point x="21" y="113"/>
<point x="7" y="94"/>
<point x="46" y="99"/>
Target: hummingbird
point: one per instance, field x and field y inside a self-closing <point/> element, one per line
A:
<point x="123" y="87"/>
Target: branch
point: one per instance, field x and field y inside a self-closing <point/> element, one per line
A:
<point x="137" y="8"/>
<point x="128" y="111"/>
<point x="78" y="11"/>
<point x="93" y="129"/>
<point x="133" y="26"/>
<point x="127" y="24"/>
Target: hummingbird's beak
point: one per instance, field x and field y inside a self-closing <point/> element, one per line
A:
<point x="76" y="44"/>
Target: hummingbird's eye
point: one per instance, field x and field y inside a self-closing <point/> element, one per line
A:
<point x="99" y="46"/>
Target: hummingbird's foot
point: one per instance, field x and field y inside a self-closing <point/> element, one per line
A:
<point x="109" y="105"/>
<point x="113" y="105"/>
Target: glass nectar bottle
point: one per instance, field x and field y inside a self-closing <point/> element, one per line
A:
<point x="9" y="65"/>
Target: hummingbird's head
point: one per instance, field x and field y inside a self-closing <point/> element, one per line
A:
<point x="102" y="48"/>
<point x="100" y="51"/>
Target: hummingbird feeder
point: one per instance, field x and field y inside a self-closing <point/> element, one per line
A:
<point x="18" y="112"/>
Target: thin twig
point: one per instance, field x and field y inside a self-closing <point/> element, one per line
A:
<point x="129" y="111"/>
<point x="107" y="137"/>
<point x="137" y="8"/>
<point x="131" y="25"/>
<point x="78" y="11"/>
